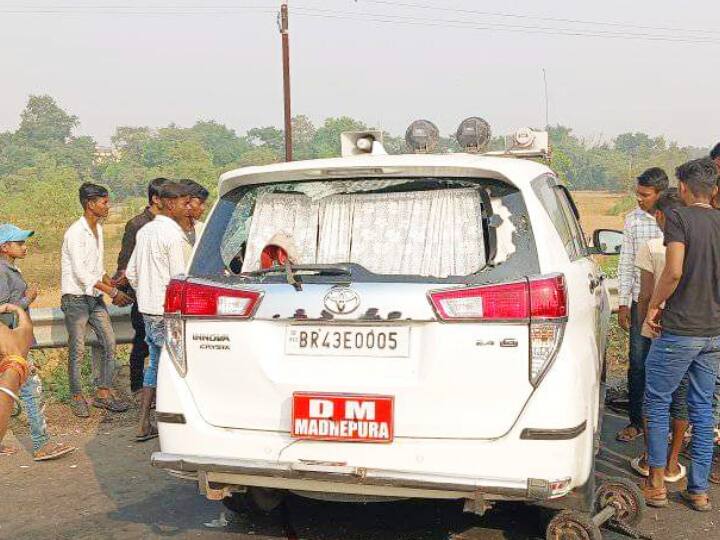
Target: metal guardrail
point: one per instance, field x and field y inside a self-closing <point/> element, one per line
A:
<point x="50" y="331"/>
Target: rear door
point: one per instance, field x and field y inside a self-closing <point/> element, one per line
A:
<point x="448" y="380"/>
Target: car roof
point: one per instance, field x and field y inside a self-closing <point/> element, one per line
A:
<point x="519" y="172"/>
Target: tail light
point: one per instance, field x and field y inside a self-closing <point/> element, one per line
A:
<point x="196" y="299"/>
<point x="541" y="302"/>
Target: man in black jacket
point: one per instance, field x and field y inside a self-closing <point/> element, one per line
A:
<point x="139" y="347"/>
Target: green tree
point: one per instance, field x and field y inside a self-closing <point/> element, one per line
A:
<point x="43" y="124"/>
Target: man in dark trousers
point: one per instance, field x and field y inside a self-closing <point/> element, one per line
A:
<point x="139" y="347"/>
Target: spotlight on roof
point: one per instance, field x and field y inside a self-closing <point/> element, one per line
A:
<point x="473" y="134"/>
<point x="422" y="136"/>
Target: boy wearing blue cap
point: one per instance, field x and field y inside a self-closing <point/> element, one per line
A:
<point x="14" y="290"/>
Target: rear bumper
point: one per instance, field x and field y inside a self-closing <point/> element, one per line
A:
<point x="344" y="479"/>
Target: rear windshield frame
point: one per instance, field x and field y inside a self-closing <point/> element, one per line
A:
<point x="208" y="263"/>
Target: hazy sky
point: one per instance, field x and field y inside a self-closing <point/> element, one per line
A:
<point x="161" y="61"/>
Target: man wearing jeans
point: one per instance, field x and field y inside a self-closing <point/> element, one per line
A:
<point x="139" y="350"/>
<point x="640" y="227"/>
<point x="83" y="282"/>
<point x="690" y="332"/>
<point x="158" y="256"/>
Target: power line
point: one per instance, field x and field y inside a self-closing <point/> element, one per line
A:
<point x="539" y="18"/>
<point x="434" y="22"/>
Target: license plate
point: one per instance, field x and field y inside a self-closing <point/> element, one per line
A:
<point x="380" y="341"/>
<point x="342" y="417"/>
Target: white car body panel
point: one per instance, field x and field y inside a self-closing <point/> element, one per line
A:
<point x="458" y="422"/>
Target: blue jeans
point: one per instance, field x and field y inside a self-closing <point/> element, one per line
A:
<point x="670" y="358"/>
<point x="639" y="347"/>
<point x="31" y="396"/>
<point x="155" y="338"/>
<point x="81" y="311"/>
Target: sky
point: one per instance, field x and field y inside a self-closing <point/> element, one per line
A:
<point x="646" y="65"/>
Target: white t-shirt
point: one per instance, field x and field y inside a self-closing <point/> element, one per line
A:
<point x="81" y="259"/>
<point x="651" y="258"/>
<point x="158" y="256"/>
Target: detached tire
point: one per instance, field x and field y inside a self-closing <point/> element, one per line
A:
<point x="571" y="525"/>
<point x="625" y="496"/>
<point x="256" y="501"/>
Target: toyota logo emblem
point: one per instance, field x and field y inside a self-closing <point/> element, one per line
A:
<point x="341" y="300"/>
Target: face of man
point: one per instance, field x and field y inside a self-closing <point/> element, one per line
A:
<point x="177" y="209"/>
<point x="646" y="197"/>
<point x="197" y="208"/>
<point x="14" y="250"/>
<point x="99" y="207"/>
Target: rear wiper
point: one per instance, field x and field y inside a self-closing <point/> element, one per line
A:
<point x="317" y="269"/>
<point x="292" y="271"/>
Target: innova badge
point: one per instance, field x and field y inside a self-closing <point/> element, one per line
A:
<point x="341" y="300"/>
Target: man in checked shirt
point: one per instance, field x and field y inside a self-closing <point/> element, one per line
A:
<point x="640" y="226"/>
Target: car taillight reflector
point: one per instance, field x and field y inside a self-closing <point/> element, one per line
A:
<point x="537" y="298"/>
<point x="509" y="301"/>
<point x="548" y="297"/>
<point x="201" y="299"/>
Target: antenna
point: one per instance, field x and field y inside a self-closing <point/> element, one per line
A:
<point x="547" y="113"/>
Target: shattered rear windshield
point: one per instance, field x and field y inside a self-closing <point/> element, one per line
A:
<point x="428" y="227"/>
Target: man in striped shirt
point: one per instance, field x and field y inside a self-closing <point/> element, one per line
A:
<point x="640" y="226"/>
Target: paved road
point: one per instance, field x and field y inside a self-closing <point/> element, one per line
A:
<point x="108" y="490"/>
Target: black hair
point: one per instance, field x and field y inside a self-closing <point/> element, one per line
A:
<point x="173" y="190"/>
<point x="715" y="152"/>
<point x="196" y="190"/>
<point x="154" y="188"/>
<point x="654" y="177"/>
<point x="699" y="175"/>
<point x="669" y="200"/>
<point x="89" y="192"/>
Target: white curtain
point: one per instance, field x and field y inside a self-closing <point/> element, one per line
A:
<point x="428" y="233"/>
<point x="295" y="215"/>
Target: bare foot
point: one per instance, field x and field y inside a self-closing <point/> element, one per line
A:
<point x="6" y="450"/>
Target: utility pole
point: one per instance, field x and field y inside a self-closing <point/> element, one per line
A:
<point x="286" y="78"/>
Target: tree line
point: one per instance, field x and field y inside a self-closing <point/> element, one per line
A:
<point x="43" y="162"/>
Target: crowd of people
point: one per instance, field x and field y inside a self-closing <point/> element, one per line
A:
<point x="669" y="300"/>
<point x="670" y="304"/>
<point x="156" y="245"/>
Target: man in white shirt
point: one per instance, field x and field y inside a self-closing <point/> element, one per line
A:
<point x="158" y="256"/>
<point x="83" y="282"/>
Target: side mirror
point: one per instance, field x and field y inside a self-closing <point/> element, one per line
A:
<point x="607" y="242"/>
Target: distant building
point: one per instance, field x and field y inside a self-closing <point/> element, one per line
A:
<point x="106" y="153"/>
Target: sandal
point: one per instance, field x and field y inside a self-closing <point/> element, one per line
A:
<point x="52" y="451"/>
<point x="682" y="473"/>
<point x="629" y="434"/>
<point x="79" y="407"/>
<point x="110" y="404"/>
<point x="715" y="474"/>
<point x="640" y="466"/>
<point x="700" y="502"/>
<point x="152" y="434"/>
<point x="655" y="497"/>
<point x="7" y="450"/>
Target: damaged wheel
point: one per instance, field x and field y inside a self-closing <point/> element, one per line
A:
<point x="256" y="501"/>
<point x="571" y="525"/>
<point x="625" y="497"/>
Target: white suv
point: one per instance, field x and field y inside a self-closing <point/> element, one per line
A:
<point x="438" y="332"/>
